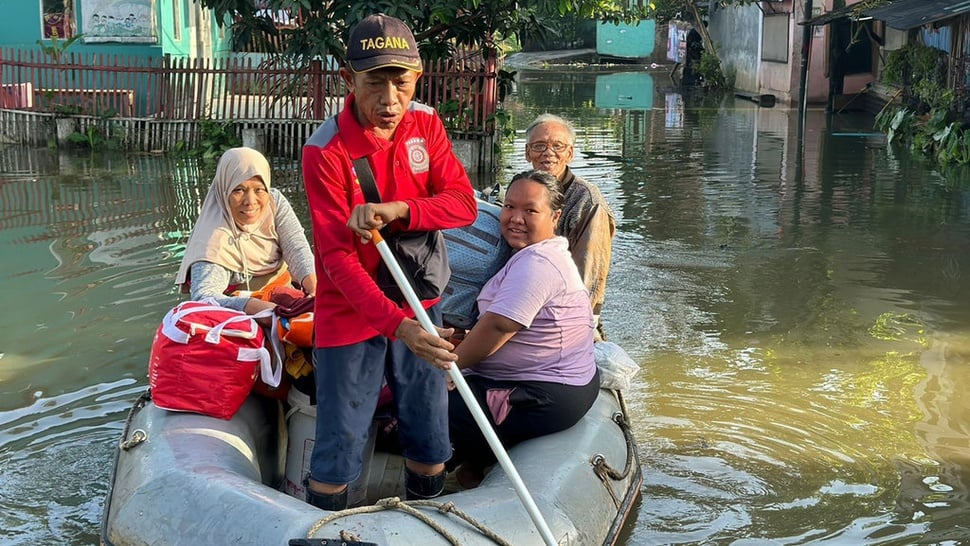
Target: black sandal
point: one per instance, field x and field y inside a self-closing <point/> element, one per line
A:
<point x="324" y="501"/>
<point x="419" y="487"/>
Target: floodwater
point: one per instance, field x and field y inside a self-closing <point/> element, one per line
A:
<point x="793" y="292"/>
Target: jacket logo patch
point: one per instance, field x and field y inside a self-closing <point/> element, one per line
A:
<point x="418" y="155"/>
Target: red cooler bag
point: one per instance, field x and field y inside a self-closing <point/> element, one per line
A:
<point x="205" y="359"/>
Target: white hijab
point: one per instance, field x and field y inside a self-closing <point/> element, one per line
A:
<point x="250" y="250"/>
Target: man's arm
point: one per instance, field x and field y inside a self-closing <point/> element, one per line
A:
<point x="591" y="244"/>
<point x="329" y="194"/>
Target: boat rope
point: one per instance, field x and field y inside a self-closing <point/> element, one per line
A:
<point x="408" y="507"/>
<point x="602" y="468"/>
<point x="139" y="435"/>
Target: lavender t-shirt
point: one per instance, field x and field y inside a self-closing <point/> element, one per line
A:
<point x="541" y="289"/>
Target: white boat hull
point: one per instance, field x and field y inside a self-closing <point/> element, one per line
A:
<point x="188" y="479"/>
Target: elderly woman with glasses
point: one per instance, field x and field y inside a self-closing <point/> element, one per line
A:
<point x="529" y="358"/>
<point x="586" y="220"/>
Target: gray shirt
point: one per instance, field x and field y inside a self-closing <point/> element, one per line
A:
<point x="211" y="280"/>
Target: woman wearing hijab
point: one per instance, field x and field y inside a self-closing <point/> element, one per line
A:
<point x="247" y="238"/>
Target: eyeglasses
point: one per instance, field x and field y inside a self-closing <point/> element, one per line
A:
<point x="539" y="147"/>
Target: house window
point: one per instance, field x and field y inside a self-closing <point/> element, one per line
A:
<point x="57" y="19"/>
<point x="774" y="39"/>
<point x="177" y="20"/>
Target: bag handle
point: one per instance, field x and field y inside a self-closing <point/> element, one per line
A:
<point x="176" y="314"/>
<point x="279" y="355"/>
<point x="270" y="376"/>
<point x="365" y="176"/>
<point x="213" y="334"/>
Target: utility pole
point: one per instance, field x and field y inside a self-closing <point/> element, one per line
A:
<point x="803" y="79"/>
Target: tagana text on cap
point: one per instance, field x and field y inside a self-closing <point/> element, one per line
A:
<point x="382" y="41"/>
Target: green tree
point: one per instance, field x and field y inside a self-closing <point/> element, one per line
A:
<point x="440" y="26"/>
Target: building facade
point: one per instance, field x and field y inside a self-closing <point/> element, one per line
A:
<point x="146" y="28"/>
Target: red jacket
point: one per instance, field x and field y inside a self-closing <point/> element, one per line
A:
<point x="418" y="167"/>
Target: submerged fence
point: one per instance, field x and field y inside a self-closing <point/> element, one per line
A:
<point x="159" y="102"/>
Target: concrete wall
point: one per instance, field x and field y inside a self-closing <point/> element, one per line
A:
<point x="818" y="82"/>
<point x="736" y="33"/>
<point x="781" y="79"/>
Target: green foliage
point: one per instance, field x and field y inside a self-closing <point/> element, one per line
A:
<point x="456" y="114"/>
<point x="104" y="133"/>
<point x="56" y="47"/>
<point x="214" y="138"/>
<point x="440" y="26"/>
<point x="922" y="71"/>
<point x="61" y="109"/>
<point x="935" y="95"/>
<point x="91" y="137"/>
<point x="911" y="63"/>
<point x="709" y="70"/>
<point x="899" y="125"/>
<point x="502" y="121"/>
<point x="667" y="10"/>
<point x="505" y="83"/>
<point x="935" y="134"/>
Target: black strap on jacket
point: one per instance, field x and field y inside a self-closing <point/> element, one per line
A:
<point x="366" y="178"/>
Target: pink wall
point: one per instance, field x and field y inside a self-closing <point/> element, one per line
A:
<point x="818" y="84"/>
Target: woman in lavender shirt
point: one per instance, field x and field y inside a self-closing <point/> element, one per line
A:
<point x="529" y="358"/>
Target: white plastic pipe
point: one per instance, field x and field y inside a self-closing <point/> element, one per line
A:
<point x="466" y="393"/>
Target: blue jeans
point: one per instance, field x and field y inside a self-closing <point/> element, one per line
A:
<point x="349" y="380"/>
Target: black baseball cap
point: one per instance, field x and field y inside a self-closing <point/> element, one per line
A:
<point x="381" y="41"/>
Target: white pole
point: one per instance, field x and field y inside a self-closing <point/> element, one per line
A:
<point x="466" y="393"/>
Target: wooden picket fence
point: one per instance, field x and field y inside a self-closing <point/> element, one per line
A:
<point x="161" y="101"/>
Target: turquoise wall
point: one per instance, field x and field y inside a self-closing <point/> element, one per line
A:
<point x="20" y="28"/>
<point x="221" y="40"/>
<point x="20" y="24"/>
<point x="628" y="41"/>
<point x="176" y="43"/>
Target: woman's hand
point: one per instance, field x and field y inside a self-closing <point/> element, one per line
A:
<point x="255" y="305"/>
<point x="436" y="350"/>
<point x="309" y="284"/>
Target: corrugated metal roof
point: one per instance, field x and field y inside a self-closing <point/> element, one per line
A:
<point x="907" y="14"/>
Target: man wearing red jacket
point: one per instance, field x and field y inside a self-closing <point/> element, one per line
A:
<point x="360" y="335"/>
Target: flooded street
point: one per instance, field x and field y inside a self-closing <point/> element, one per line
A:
<point x="795" y="299"/>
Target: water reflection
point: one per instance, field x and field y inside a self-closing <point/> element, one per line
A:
<point x="797" y="305"/>
<point x="90" y="247"/>
<point x="625" y="90"/>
